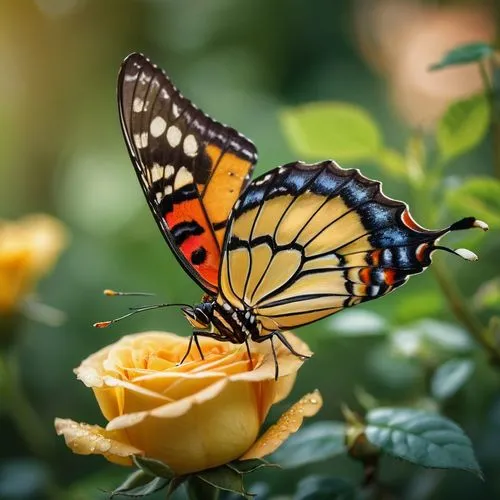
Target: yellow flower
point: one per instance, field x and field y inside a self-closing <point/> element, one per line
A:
<point x="28" y="250"/>
<point x="194" y="416"/>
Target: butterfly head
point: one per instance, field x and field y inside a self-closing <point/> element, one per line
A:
<point x="199" y="315"/>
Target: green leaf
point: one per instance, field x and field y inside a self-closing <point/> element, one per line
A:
<point x="313" y="443"/>
<point x="463" y="126"/>
<point x="153" y="467"/>
<point x="425" y="303"/>
<point x="465" y="54"/>
<point x="358" y="323"/>
<point x="392" y="163"/>
<point x="480" y="196"/>
<point x="224" y="478"/>
<point x="137" y="479"/>
<point x="488" y="295"/>
<point x="341" y="131"/>
<point x="422" y="438"/>
<point x="247" y="466"/>
<point x="134" y="485"/>
<point x="324" y="488"/>
<point x="200" y="490"/>
<point x="439" y="334"/>
<point x="450" y="377"/>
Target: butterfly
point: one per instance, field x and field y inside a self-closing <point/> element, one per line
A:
<point x="295" y="245"/>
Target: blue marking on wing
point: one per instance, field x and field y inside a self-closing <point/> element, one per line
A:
<point x="297" y="179"/>
<point x="376" y="216"/>
<point x="389" y="237"/>
<point x="328" y="184"/>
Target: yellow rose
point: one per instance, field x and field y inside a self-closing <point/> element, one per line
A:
<point x="28" y="250"/>
<point x="194" y="416"/>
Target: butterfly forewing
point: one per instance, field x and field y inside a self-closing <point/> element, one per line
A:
<point x="305" y="241"/>
<point x="192" y="169"/>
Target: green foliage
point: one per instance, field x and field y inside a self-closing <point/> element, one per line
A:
<point x="421" y="438"/>
<point x="358" y="323"/>
<point x="153" y="467"/>
<point x="336" y="130"/>
<point x="324" y="488"/>
<point x="488" y="295"/>
<point x="463" y="126"/>
<point x="426" y="303"/>
<point x="392" y="163"/>
<point x="465" y="54"/>
<point x="224" y="478"/>
<point x="140" y="484"/>
<point x="314" y="443"/>
<point x="450" y="377"/>
<point x="248" y="466"/>
<point x="480" y="195"/>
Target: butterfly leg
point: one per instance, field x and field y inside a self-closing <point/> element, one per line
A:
<point x="249" y="354"/>
<point x="270" y="337"/>
<point x="276" y="364"/>
<point x="188" y="350"/>
<point x="194" y="335"/>
<point x="287" y="344"/>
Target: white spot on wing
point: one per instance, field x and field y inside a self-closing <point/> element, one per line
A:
<point x="137" y="105"/>
<point x="156" y="172"/>
<point x="182" y="178"/>
<point x="168" y="190"/>
<point x="169" y="171"/>
<point x="141" y="140"/>
<point x="159" y="197"/>
<point x="174" y="136"/>
<point x="175" y="110"/>
<point x="158" y="126"/>
<point x="190" y="145"/>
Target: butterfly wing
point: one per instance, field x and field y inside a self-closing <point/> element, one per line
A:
<point x="191" y="168"/>
<point x="305" y="241"/>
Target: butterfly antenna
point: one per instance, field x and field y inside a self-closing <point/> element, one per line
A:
<point x="461" y="252"/>
<point x="135" y="310"/>
<point x="114" y="293"/>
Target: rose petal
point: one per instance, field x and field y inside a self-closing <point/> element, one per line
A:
<point x="85" y="439"/>
<point x="287" y="361"/>
<point x="169" y="410"/>
<point x="287" y="424"/>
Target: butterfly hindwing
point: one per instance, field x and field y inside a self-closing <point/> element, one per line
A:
<point x="305" y="241"/>
<point x="192" y="169"/>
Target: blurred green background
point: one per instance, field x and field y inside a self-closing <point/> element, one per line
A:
<point x="242" y="62"/>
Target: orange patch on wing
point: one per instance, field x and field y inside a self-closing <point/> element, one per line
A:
<point x="421" y="251"/>
<point x="224" y="187"/>
<point x="364" y="274"/>
<point x="390" y="276"/>
<point x="375" y="256"/>
<point x="409" y="222"/>
<point x="189" y="211"/>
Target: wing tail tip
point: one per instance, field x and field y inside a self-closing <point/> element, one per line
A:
<point x="468" y="223"/>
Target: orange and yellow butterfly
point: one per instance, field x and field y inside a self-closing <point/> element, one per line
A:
<point x="295" y="245"/>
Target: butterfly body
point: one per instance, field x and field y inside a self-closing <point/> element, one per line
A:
<point x="293" y="246"/>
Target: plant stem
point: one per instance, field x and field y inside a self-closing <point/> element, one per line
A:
<point x="490" y="88"/>
<point x="19" y="408"/>
<point x="463" y="313"/>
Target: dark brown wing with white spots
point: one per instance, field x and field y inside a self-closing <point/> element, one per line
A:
<point x="192" y="169"/>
